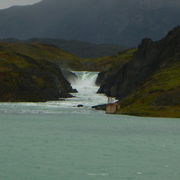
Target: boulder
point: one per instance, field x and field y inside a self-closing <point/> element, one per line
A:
<point x="80" y="105"/>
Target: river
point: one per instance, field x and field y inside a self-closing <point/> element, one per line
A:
<point x="59" y="141"/>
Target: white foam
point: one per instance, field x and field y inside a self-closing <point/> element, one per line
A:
<point x="94" y="174"/>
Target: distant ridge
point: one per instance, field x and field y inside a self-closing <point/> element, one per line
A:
<point x="123" y="22"/>
<point x="78" y="48"/>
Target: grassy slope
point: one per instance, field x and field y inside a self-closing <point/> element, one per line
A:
<point x="106" y="63"/>
<point x="159" y="96"/>
<point x="51" y="53"/>
<point x="12" y="69"/>
<point x="41" y="52"/>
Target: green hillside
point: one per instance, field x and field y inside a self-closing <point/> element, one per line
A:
<point x="108" y="62"/>
<point x="159" y="96"/>
<point x="41" y="51"/>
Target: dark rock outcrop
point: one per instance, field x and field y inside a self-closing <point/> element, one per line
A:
<point x="151" y="56"/>
<point x="100" y="78"/>
<point x="30" y="80"/>
<point x="80" y="105"/>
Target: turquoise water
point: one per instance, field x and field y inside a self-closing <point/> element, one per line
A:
<point x="88" y="147"/>
<point x="58" y="141"/>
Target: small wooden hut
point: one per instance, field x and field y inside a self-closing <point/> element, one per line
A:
<point x="112" y="106"/>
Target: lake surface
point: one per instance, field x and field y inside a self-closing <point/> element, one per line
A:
<point x="58" y="141"/>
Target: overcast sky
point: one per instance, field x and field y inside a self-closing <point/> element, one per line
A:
<point x="8" y="3"/>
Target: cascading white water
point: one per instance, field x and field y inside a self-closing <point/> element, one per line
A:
<point x="85" y="82"/>
<point x="87" y="90"/>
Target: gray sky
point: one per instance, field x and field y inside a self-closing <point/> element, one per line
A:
<point x="8" y="3"/>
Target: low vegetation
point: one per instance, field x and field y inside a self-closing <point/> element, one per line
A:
<point x="105" y="63"/>
<point x="40" y="51"/>
<point x="159" y="96"/>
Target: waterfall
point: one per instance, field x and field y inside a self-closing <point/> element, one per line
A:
<point x="87" y="90"/>
<point x="85" y="82"/>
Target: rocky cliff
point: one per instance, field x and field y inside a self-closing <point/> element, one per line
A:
<point x="151" y="78"/>
<point x="150" y="57"/>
